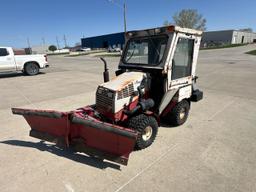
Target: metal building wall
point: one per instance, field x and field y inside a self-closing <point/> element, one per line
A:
<point x="104" y="41"/>
<point x="243" y="37"/>
<point x="217" y="37"/>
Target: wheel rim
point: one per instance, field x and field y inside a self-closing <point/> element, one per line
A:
<point x="182" y="113"/>
<point x="147" y="133"/>
<point x="32" y="69"/>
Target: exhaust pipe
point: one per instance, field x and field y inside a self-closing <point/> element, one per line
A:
<point x="106" y="72"/>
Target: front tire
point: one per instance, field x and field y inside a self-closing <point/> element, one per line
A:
<point x="179" y="113"/>
<point x="31" y="69"/>
<point x="147" y="128"/>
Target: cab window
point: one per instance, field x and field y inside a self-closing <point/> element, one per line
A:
<point x="3" y="52"/>
<point x="147" y="51"/>
<point x="183" y="58"/>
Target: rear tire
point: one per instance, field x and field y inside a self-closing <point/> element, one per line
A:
<point x="179" y="113"/>
<point x="31" y="69"/>
<point x="147" y="127"/>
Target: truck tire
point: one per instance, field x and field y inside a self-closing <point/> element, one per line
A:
<point x="147" y="128"/>
<point x="31" y="69"/>
<point x="179" y="113"/>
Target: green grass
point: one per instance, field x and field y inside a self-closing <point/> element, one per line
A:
<point x="85" y="53"/>
<point x="224" y="46"/>
<point x="109" y="55"/>
<point x="253" y="52"/>
<point x="52" y="54"/>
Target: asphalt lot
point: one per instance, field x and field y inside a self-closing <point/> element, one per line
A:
<point x="214" y="151"/>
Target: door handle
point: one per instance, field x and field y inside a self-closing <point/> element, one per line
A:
<point x="9" y="58"/>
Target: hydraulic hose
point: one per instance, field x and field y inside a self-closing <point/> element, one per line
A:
<point x="143" y="106"/>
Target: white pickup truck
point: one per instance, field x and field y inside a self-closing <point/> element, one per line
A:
<point x="28" y="64"/>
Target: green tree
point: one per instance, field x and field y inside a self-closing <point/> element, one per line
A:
<point x="52" y="48"/>
<point x="166" y="23"/>
<point x="190" y="18"/>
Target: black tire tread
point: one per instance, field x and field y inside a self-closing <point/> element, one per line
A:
<point x="174" y="114"/>
<point x="26" y="72"/>
<point x="138" y="123"/>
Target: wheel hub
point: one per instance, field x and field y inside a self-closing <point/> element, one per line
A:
<point x="32" y="68"/>
<point x="182" y="113"/>
<point x="147" y="133"/>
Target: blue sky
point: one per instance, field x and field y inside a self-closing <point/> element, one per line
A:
<point x="36" y="19"/>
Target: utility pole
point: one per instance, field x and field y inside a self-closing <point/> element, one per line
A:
<point x="57" y="41"/>
<point x="125" y="27"/>
<point x="28" y="41"/>
<point x="124" y="7"/>
<point x="44" y="44"/>
<point x="43" y="39"/>
<point x="29" y="47"/>
<point x="65" y="41"/>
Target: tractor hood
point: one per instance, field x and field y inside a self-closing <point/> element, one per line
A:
<point x="123" y="80"/>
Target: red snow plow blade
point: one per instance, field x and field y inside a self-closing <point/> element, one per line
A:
<point x="82" y="132"/>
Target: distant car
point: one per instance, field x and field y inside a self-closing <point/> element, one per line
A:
<point x="79" y="50"/>
<point x="28" y="64"/>
<point x="116" y="49"/>
<point x="85" y="49"/>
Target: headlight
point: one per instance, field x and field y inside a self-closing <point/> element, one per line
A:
<point x="99" y="91"/>
<point x="110" y="95"/>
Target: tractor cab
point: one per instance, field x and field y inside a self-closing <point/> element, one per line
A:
<point x="168" y="55"/>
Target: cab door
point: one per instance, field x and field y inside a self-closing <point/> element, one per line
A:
<point x="7" y="62"/>
<point x="182" y="58"/>
<point x="180" y="72"/>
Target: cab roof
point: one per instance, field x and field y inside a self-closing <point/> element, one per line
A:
<point x="163" y="30"/>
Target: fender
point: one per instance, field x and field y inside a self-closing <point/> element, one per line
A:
<point x="152" y="114"/>
<point x="165" y="103"/>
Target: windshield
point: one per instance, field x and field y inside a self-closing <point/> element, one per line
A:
<point x="147" y="51"/>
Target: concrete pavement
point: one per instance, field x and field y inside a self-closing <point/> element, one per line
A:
<point x="214" y="151"/>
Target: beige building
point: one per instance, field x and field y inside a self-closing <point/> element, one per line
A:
<point x="40" y="49"/>
<point x="228" y="37"/>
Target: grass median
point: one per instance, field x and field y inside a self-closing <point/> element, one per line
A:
<point x="224" y="46"/>
<point x="253" y="52"/>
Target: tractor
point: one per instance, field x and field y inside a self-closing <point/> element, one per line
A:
<point x="155" y="82"/>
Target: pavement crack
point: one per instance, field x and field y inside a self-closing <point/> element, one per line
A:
<point x="146" y="168"/>
<point x="222" y="109"/>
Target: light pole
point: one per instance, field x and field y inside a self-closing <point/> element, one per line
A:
<point x="124" y="7"/>
<point x="125" y="29"/>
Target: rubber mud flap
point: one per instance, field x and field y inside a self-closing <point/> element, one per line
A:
<point x="33" y="112"/>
